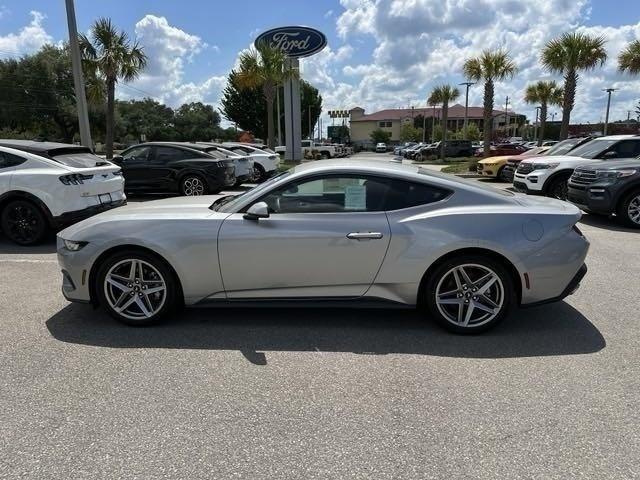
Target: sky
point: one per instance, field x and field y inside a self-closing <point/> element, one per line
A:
<point x="380" y="53"/>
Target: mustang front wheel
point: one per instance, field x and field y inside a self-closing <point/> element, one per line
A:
<point x="469" y="294"/>
<point x="136" y="288"/>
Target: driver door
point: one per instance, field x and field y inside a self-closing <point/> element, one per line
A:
<point x="325" y="237"/>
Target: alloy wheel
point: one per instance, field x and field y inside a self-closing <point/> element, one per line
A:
<point x="470" y="295"/>
<point x="23" y="223"/>
<point x="193" y="186"/>
<point x="633" y="210"/>
<point x="135" y="289"/>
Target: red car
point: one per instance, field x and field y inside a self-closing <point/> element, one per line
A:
<point x="502" y="149"/>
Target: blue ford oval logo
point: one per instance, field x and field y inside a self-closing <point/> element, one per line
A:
<point x="294" y="41"/>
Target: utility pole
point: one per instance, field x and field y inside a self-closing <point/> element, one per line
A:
<point x="78" y="81"/>
<point x="424" y="126"/>
<point x="433" y="125"/>
<point x="506" y="115"/>
<point x="466" y="108"/>
<point x="535" y="127"/>
<point x="606" y="118"/>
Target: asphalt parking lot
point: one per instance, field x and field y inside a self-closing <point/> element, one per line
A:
<point x="308" y="393"/>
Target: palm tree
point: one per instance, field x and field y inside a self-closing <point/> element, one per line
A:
<point x="490" y="66"/>
<point x="545" y="93"/>
<point x="629" y="58"/>
<point x="443" y="94"/>
<point x="264" y="67"/>
<point x="112" y="57"/>
<point x="567" y="55"/>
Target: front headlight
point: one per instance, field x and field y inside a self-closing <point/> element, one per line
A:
<point x="545" y="166"/>
<point x="73" y="246"/>
<point x="612" y="174"/>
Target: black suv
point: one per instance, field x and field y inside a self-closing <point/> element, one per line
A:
<point x="453" y="148"/>
<point x="188" y="169"/>
<point x="608" y="187"/>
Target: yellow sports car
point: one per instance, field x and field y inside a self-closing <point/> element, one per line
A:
<point x="493" y="166"/>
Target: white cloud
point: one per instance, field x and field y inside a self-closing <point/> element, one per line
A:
<point x="328" y="13"/>
<point x="169" y="48"/>
<point x="420" y="43"/>
<point x="29" y="39"/>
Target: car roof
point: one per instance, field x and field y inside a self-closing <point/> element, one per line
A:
<point x="44" y="148"/>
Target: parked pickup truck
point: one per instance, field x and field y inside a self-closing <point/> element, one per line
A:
<point x="325" y="151"/>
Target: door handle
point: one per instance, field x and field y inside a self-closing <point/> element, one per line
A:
<point x="364" y="235"/>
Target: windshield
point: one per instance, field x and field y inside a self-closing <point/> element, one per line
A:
<point x="564" y="146"/>
<point x="592" y="149"/>
<point x="80" y="160"/>
<point x="228" y="206"/>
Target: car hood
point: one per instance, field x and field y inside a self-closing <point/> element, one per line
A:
<point x="497" y="158"/>
<point x="614" y="164"/>
<point x="555" y="159"/>
<point x="177" y="208"/>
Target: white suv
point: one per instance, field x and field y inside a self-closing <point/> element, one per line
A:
<point x="47" y="186"/>
<point x="265" y="162"/>
<point x="549" y="175"/>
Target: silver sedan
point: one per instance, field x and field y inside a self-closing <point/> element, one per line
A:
<point x="333" y="233"/>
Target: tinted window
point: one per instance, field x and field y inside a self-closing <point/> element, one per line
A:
<point x="353" y="193"/>
<point x="592" y="149"/>
<point x="10" y="160"/>
<point x="137" y="153"/>
<point x="564" y="146"/>
<point x="171" y="154"/>
<point x="626" y="148"/>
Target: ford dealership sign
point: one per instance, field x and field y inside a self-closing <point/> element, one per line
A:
<point x="294" y="41"/>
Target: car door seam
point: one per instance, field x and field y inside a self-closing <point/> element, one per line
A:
<point x="384" y="257"/>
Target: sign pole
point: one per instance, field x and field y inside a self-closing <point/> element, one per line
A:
<point x="292" y="114"/>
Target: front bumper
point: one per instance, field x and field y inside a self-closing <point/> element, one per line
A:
<point x="532" y="184"/>
<point x="69" y="218"/>
<point x="75" y="271"/>
<point x="594" y="198"/>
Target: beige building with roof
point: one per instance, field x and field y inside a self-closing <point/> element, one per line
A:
<point x="391" y="120"/>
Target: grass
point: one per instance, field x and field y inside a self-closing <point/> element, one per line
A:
<point x="462" y="166"/>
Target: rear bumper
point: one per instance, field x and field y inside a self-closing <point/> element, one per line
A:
<point x="69" y="218"/>
<point x="573" y="285"/>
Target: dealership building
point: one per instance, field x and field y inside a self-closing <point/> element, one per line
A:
<point x="392" y="120"/>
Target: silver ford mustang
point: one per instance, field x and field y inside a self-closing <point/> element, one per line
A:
<point x="331" y="233"/>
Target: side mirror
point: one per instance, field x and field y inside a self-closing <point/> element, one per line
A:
<point x="257" y="211"/>
<point x="117" y="159"/>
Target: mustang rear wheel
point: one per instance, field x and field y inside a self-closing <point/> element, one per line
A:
<point x="136" y="288"/>
<point x="469" y="294"/>
<point x="23" y="222"/>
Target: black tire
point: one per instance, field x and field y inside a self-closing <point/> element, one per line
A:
<point x="500" y="175"/>
<point x="172" y="296"/>
<point x="262" y="175"/>
<point x="324" y="156"/>
<point x="623" y="212"/>
<point x="193" y="185"/>
<point x="503" y="292"/>
<point x="23" y="222"/>
<point x="558" y="187"/>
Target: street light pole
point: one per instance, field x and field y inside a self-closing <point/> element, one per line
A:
<point x="606" y="118"/>
<point x="424" y="125"/>
<point x="466" y="108"/>
<point x="535" y="127"/>
<point x="78" y="82"/>
<point x="433" y="125"/>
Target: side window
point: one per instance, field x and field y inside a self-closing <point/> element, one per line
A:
<point x="403" y="194"/>
<point x="10" y="160"/>
<point x="626" y="149"/>
<point x="138" y="153"/>
<point x="164" y="155"/>
<point x="331" y="194"/>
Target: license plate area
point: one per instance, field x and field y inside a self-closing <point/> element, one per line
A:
<point x="105" y="198"/>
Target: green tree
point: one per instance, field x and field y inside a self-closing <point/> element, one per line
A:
<point x="544" y="93"/>
<point x="380" y="136"/>
<point x="443" y="94"/>
<point x="310" y="101"/>
<point x="264" y="68"/>
<point x="567" y="55"/>
<point x="112" y="56"/>
<point x="147" y="117"/>
<point x="489" y="67"/>
<point x="629" y="58"/>
<point x="197" y="122"/>
<point x="409" y="133"/>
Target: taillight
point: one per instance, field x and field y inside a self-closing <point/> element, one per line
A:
<point x="75" y="179"/>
